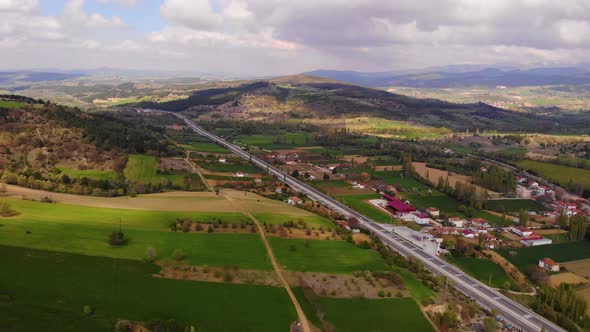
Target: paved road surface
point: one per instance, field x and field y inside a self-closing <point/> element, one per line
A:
<point x="520" y="316"/>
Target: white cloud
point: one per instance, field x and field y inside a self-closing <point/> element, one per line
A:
<point x="18" y="5"/>
<point x="74" y="12"/>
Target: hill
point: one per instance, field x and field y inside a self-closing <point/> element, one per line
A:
<point x="40" y="140"/>
<point x="308" y="98"/>
<point x="488" y="77"/>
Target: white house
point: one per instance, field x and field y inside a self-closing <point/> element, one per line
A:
<point x="521" y="231"/>
<point x="433" y="212"/>
<point x="523" y="192"/>
<point x="549" y="264"/>
<point x="536" y="242"/>
<point x="418" y="218"/>
<point x="240" y="174"/>
<point x="294" y="200"/>
<point x="457" y="222"/>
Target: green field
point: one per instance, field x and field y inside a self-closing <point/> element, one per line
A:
<point x="46" y="291"/>
<point x="230" y="167"/>
<point x="329" y="256"/>
<point x="514" y="205"/>
<point x="144" y="169"/>
<point x="418" y="290"/>
<point x="204" y="147"/>
<point x="560" y="253"/>
<point x="11" y="104"/>
<point x="396" y="129"/>
<point x="89" y="173"/>
<point x="558" y="173"/>
<point x="377" y="315"/>
<point x="84" y="230"/>
<point x="485" y="271"/>
<point x="276" y="142"/>
<point x="358" y="203"/>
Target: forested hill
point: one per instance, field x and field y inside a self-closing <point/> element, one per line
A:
<point x="38" y="139"/>
<point x="301" y="98"/>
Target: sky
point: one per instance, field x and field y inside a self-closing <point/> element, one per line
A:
<point x="273" y="37"/>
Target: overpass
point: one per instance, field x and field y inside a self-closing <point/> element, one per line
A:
<point x="521" y="317"/>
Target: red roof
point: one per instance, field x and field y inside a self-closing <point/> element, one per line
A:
<point x="421" y="215"/>
<point x="522" y="229"/>
<point x="549" y="261"/>
<point x="389" y="197"/>
<point x="479" y="221"/>
<point x="400" y="206"/>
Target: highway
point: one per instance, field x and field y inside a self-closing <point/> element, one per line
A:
<point x="521" y="317"/>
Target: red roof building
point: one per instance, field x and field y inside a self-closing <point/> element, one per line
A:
<point x="398" y="205"/>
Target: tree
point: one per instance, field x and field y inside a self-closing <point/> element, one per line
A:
<point x="178" y="254"/>
<point x="151" y="254"/>
<point x="523" y="218"/>
<point x="295" y="173"/>
<point x="117" y="238"/>
<point x="562" y="220"/>
<point x="490" y="325"/>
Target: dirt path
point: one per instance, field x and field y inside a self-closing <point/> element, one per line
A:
<point x="275" y="264"/>
<point x="196" y="170"/>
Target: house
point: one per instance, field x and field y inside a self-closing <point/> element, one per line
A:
<point x="488" y="237"/>
<point x="523" y="192"/>
<point x="294" y="200"/>
<point x="258" y="180"/>
<point x="521" y="231"/>
<point x="479" y="223"/>
<point x="536" y="241"/>
<point x="344" y="224"/>
<point x="457" y="222"/>
<point x="433" y="212"/>
<point x="280" y="189"/>
<point x="240" y="174"/>
<point x="222" y="160"/>
<point x="521" y="179"/>
<point x="466" y="233"/>
<point x="549" y="264"/>
<point x="398" y="206"/>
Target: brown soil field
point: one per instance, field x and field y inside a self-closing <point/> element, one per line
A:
<point x="581" y="267"/>
<point x="357" y="159"/>
<point x="566" y="277"/>
<point x="510" y="269"/>
<point x="347" y="191"/>
<point x="390" y="168"/>
<point x="169" y="201"/>
<point x="550" y="231"/>
<point x="175" y="164"/>
<point x="434" y="174"/>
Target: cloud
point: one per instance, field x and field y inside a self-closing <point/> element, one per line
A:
<point x="74" y="12"/>
<point x="18" y="5"/>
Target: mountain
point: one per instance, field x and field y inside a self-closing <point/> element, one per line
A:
<point x="306" y="98"/>
<point x="10" y="78"/>
<point x="452" y="77"/>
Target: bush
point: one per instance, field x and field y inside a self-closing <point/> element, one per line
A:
<point x="150" y="254"/>
<point x="117" y="239"/>
<point x="88" y="310"/>
<point x="178" y="255"/>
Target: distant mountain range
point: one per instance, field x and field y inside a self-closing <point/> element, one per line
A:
<point x="450" y="77"/>
<point x="8" y="78"/>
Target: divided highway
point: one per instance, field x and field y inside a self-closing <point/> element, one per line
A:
<point x="513" y="312"/>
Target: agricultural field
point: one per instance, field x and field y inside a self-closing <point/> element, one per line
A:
<point x="485" y="271"/>
<point x="514" y="205"/>
<point x="89" y="173"/>
<point x="579" y="267"/>
<point x="393" y="129"/>
<point x="312" y="220"/>
<point x="85" y="230"/>
<point x="377" y="315"/>
<point x="230" y="167"/>
<point x="204" y="147"/>
<point x="563" y="252"/>
<point x="280" y="141"/>
<point x="11" y="104"/>
<point x="584" y="292"/>
<point x="116" y="288"/>
<point x="330" y="256"/>
<point x="144" y="169"/>
<point x="558" y="173"/>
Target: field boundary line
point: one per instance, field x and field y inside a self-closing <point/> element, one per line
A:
<point x="275" y="263"/>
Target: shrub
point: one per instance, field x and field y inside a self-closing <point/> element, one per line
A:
<point x="150" y="254"/>
<point x="178" y="255"/>
<point x="117" y="239"/>
<point x="88" y="310"/>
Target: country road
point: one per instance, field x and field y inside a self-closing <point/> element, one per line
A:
<point x="521" y="317"/>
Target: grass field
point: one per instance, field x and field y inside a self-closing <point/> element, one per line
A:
<point x="276" y="142"/>
<point x="89" y="173"/>
<point x="204" y="147"/>
<point x="325" y="256"/>
<point x="484" y="270"/>
<point x="558" y="173"/>
<point x="231" y="168"/>
<point x="514" y="205"/>
<point x="393" y="129"/>
<point x="84" y="230"/>
<point x="11" y="104"/>
<point x="144" y="169"/>
<point x="124" y="289"/>
<point x="358" y="203"/>
<point x="564" y="252"/>
<point x="377" y="315"/>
